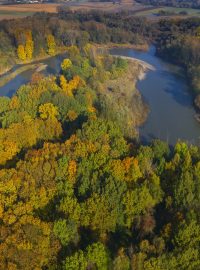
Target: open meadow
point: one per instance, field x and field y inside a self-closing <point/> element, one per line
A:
<point x="11" y="14"/>
<point x="169" y="11"/>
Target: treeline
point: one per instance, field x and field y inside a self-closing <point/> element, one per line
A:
<point x="172" y="3"/>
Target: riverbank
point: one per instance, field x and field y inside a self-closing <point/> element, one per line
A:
<point x="125" y="100"/>
<point x="6" y="78"/>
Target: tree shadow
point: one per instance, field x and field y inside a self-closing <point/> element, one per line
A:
<point x="177" y="88"/>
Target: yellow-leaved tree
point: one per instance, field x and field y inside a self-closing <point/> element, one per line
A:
<point x="63" y="83"/>
<point x="29" y="46"/>
<point x="48" y="110"/>
<point x="21" y="52"/>
<point x="66" y="64"/>
<point x="51" y="45"/>
<point x="70" y="86"/>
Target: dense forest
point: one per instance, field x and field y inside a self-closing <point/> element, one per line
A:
<point x="77" y="189"/>
<point x="76" y="195"/>
<point x="172" y="3"/>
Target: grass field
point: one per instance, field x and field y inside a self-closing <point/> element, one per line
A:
<point x="7" y="14"/>
<point x="154" y="12"/>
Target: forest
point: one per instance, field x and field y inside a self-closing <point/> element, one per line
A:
<point x="77" y="188"/>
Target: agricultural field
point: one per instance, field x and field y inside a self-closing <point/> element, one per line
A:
<point x="23" y="10"/>
<point x="108" y="6"/>
<point x="10" y="14"/>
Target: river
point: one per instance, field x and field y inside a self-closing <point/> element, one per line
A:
<point x="165" y="89"/>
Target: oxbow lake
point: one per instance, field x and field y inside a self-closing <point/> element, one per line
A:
<point x="165" y="89"/>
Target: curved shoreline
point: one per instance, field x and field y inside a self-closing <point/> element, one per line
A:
<point x="37" y="60"/>
<point x="12" y="75"/>
<point x="144" y="64"/>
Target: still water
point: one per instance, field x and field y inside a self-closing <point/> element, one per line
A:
<point x="165" y="89"/>
<point x="53" y="67"/>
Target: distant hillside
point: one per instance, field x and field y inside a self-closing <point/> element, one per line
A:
<point x="173" y="3"/>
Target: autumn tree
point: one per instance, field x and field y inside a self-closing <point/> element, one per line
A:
<point x="51" y="45"/>
<point x="66" y="64"/>
<point x="48" y="110"/>
<point x="29" y="46"/>
<point x="21" y="52"/>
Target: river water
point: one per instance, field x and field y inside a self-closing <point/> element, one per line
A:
<point x="165" y="89"/>
<point x="53" y="67"/>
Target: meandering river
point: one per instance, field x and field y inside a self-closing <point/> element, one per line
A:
<point x="165" y="89"/>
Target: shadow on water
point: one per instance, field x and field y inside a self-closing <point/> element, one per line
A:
<point x="147" y="138"/>
<point x="177" y="94"/>
<point x="177" y="88"/>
